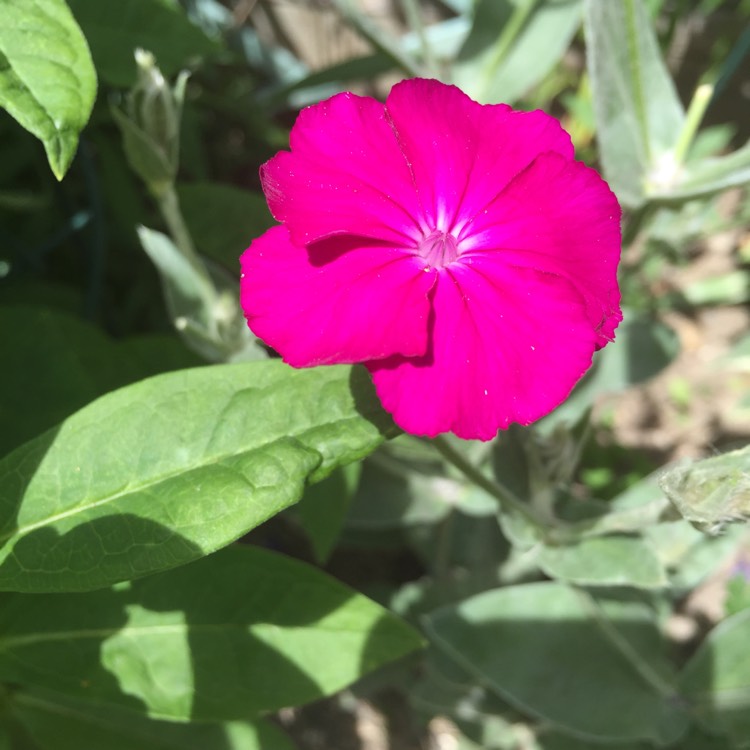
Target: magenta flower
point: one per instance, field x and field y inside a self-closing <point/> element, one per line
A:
<point x="455" y="249"/>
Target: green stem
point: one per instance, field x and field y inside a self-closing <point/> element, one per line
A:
<point x="507" y="36"/>
<point x="442" y="566"/>
<point x="414" y="18"/>
<point x="169" y="205"/>
<point x="507" y="500"/>
<point x="698" y="105"/>
<point x="207" y="330"/>
<point x="351" y="13"/>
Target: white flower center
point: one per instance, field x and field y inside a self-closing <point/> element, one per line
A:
<point x="438" y="248"/>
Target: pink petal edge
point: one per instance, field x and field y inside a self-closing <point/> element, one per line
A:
<point x="345" y="174"/>
<point x="508" y="345"/>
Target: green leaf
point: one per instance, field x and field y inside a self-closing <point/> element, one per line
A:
<point x="239" y="633"/>
<point x="698" y="739"/>
<point x="513" y="44"/>
<point x="115" y="30"/>
<point x="638" y="113"/>
<point x="47" y="79"/>
<point x="731" y="288"/>
<point x="738" y="591"/>
<point x="709" y="176"/>
<point x="13" y="736"/>
<point x="605" y="561"/>
<point x="587" y="668"/>
<point x="444" y="38"/>
<point x="552" y="741"/>
<point x="190" y="295"/>
<point x="58" y="722"/>
<point x="351" y="69"/>
<point x="144" y="157"/>
<point x="60" y="363"/>
<point x="390" y="496"/>
<point x="223" y="220"/>
<point x="712" y="492"/>
<point x="383" y="42"/>
<point x="172" y="468"/>
<point x="203" y="301"/>
<point x="324" y="506"/>
<point x="686" y="553"/>
<point x="716" y="680"/>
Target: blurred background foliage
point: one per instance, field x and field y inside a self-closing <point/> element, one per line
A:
<point x="638" y="635"/>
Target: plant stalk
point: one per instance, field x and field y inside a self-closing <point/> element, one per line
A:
<point x="508" y="502"/>
<point x="698" y="105"/>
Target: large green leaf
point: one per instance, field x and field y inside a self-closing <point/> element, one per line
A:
<point x="716" y="680"/>
<point x="241" y="632"/>
<point x="61" y="362"/>
<point x="58" y="722"/>
<point x="638" y="113"/>
<point x="115" y="30"/>
<point x="513" y="44"/>
<point x="712" y="492"/>
<point x="590" y="668"/>
<point x="47" y="79"/>
<point x="167" y="470"/>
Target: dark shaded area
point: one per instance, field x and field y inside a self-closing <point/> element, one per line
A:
<point x="367" y="404"/>
<point x="95" y="550"/>
<point x="98" y="549"/>
<point x="58" y="643"/>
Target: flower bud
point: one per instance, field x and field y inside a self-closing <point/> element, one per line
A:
<point x="150" y="124"/>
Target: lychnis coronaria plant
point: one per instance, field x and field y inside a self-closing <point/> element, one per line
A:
<point x="458" y="250"/>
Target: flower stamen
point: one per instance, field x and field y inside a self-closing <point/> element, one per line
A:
<point x="438" y="248"/>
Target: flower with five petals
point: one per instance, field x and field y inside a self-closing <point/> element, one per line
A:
<point x="458" y="250"/>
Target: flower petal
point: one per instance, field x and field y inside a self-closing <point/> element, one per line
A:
<point x="461" y="153"/>
<point x="508" y="344"/>
<point x="345" y="174"/>
<point x="560" y="217"/>
<point x="337" y="304"/>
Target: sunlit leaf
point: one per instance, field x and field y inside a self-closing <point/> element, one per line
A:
<point x="708" y="176"/>
<point x="167" y="470"/>
<point x="47" y="79"/>
<point x="638" y="113"/>
<point x="242" y="632"/>
<point x="513" y="44"/>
